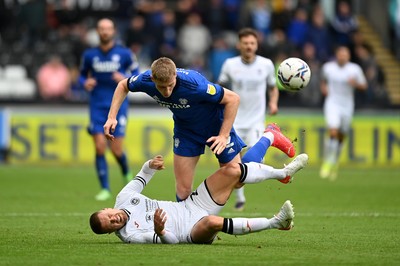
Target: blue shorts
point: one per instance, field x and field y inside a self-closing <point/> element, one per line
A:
<point x="98" y="118"/>
<point x="191" y="145"/>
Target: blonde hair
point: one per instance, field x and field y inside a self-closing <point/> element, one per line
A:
<point x="163" y="69"/>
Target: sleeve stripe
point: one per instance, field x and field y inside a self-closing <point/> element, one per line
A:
<point x="141" y="179"/>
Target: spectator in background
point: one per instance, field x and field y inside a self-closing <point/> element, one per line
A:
<point x="32" y="18"/>
<point x="219" y="53"/>
<point x="183" y="9"/>
<point x="319" y="35"/>
<point x="136" y="39"/>
<point x="298" y="27"/>
<point x="232" y="10"/>
<point x="258" y="17"/>
<point x="166" y="36"/>
<point x="215" y="17"/>
<point x="394" y="13"/>
<point x="376" y="91"/>
<point x="276" y="45"/>
<point x="194" y="40"/>
<point x="344" y="24"/>
<point x="54" y="80"/>
<point x="311" y="96"/>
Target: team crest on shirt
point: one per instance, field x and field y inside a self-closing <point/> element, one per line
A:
<point x="211" y="89"/>
<point x="183" y="101"/>
<point x="135" y="201"/>
<point x="115" y="58"/>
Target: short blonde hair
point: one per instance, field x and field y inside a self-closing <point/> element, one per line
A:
<point x="163" y="69"/>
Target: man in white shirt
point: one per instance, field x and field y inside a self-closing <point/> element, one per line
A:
<point x="251" y="76"/>
<point x="136" y="218"/>
<point x="340" y="78"/>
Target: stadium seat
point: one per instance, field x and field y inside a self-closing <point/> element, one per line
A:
<point x="24" y="89"/>
<point x="15" y="72"/>
<point x="5" y="89"/>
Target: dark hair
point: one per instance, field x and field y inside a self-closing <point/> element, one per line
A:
<point x="246" y="32"/>
<point x="95" y="224"/>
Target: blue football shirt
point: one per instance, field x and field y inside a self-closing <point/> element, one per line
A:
<point x="194" y="102"/>
<point x="101" y="65"/>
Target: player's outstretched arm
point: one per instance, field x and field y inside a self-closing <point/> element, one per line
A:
<point x="144" y="176"/>
<point x="273" y="94"/>
<point x="119" y="96"/>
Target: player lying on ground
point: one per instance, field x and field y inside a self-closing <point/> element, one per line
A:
<point x="136" y="218"/>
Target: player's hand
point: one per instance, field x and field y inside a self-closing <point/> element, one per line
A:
<point x="352" y="82"/>
<point x="157" y="163"/>
<point x="109" y="128"/>
<point x="218" y="144"/>
<point x="89" y="84"/>
<point x="160" y="218"/>
<point x="117" y="76"/>
<point x="272" y="109"/>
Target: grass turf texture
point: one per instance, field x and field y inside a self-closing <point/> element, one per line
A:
<point x="354" y="220"/>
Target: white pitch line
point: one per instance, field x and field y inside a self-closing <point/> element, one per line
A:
<point x="233" y="214"/>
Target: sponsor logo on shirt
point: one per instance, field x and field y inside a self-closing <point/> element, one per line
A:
<point x="211" y="89"/>
<point x="182" y="105"/>
<point x="106" y="66"/>
<point x="149" y="218"/>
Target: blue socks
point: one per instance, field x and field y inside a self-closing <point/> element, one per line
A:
<point x="102" y="171"/>
<point x="123" y="162"/>
<point x="257" y="152"/>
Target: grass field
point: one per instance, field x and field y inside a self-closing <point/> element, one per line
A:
<point x="354" y="220"/>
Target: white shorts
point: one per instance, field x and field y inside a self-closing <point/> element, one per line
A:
<point x="250" y="136"/>
<point x="338" y="118"/>
<point x="201" y="197"/>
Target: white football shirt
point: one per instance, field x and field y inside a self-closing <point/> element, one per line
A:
<point x="340" y="93"/>
<point x="140" y="210"/>
<point x="250" y="82"/>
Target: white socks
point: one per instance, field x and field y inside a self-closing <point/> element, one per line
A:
<point x="257" y="172"/>
<point x="332" y="151"/>
<point x="243" y="226"/>
<point x="240" y="195"/>
<point x="269" y="136"/>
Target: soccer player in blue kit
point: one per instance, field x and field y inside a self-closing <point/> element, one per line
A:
<point x="203" y="114"/>
<point x="102" y="68"/>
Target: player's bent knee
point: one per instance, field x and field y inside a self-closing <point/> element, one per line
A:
<point x="213" y="223"/>
<point x="231" y="170"/>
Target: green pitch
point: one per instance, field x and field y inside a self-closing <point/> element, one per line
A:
<point x="354" y="220"/>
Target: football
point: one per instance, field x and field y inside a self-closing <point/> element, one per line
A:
<point x="293" y="74"/>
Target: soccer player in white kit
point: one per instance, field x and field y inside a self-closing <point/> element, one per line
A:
<point x="136" y="218"/>
<point x="340" y="78"/>
<point x="250" y="76"/>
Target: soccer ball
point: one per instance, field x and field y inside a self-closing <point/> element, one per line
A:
<point x="293" y="74"/>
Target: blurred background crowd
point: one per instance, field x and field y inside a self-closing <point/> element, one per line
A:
<point x="41" y="41"/>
